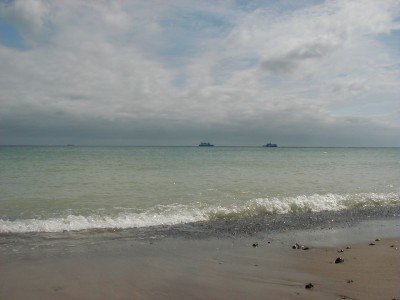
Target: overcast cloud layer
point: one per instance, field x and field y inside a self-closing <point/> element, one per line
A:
<point x="179" y="72"/>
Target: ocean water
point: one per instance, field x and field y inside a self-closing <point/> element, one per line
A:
<point x="56" y="189"/>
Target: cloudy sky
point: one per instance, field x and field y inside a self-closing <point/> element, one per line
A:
<point x="179" y="72"/>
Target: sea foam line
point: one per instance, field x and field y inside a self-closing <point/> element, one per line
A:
<point x="178" y="213"/>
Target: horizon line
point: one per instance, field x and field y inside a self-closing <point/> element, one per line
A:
<point x="194" y="146"/>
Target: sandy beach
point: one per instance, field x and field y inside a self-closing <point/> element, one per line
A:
<point x="368" y="271"/>
<point x="248" y="267"/>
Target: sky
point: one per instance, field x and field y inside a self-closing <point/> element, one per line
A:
<point x="178" y="72"/>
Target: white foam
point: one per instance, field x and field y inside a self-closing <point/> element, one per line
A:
<point x="178" y="213"/>
<point x="122" y="220"/>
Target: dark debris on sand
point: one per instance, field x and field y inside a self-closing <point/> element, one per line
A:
<point x="298" y="246"/>
<point x="309" y="286"/>
<point x="339" y="260"/>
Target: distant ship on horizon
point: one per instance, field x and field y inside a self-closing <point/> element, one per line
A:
<point x="270" y="145"/>
<point x="205" y="144"/>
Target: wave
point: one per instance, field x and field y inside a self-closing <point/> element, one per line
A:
<point x="178" y="213"/>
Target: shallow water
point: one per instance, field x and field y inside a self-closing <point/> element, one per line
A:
<point x="51" y="189"/>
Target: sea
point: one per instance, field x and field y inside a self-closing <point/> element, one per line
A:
<point x="56" y="189"/>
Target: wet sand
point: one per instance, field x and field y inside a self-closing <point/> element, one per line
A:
<point x="367" y="271"/>
<point x="211" y="268"/>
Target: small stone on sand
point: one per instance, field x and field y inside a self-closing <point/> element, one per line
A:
<point x="296" y="246"/>
<point x="339" y="260"/>
<point x="309" y="286"/>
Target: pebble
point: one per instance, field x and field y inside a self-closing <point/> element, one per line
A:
<point x="377" y="240"/>
<point x="341" y="250"/>
<point x="348" y="247"/>
<point x="372" y="244"/>
<point x="309" y="286"/>
<point x="350" y="281"/>
<point x="339" y="260"/>
<point x="255" y="245"/>
<point x="296" y="246"/>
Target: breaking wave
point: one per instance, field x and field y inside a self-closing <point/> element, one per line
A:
<point x="178" y="213"/>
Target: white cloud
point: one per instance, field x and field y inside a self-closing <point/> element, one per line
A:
<point x="105" y="66"/>
<point x="28" y="16"/>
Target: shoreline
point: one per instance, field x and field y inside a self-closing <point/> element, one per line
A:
<point x="232" y="226"/>
<point x="221" y="267"/>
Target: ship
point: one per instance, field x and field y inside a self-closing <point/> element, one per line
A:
<point x="270" y="145"/>
<point x="203" y="144"/>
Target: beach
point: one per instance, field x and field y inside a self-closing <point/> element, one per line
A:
<point x="257" y="266"/>
<point x="194" y="223"/>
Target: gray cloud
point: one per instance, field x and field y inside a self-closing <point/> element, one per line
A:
<point x="290" y="61"/>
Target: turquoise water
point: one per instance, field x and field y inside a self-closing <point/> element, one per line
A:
<point x="74" y="188"/>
